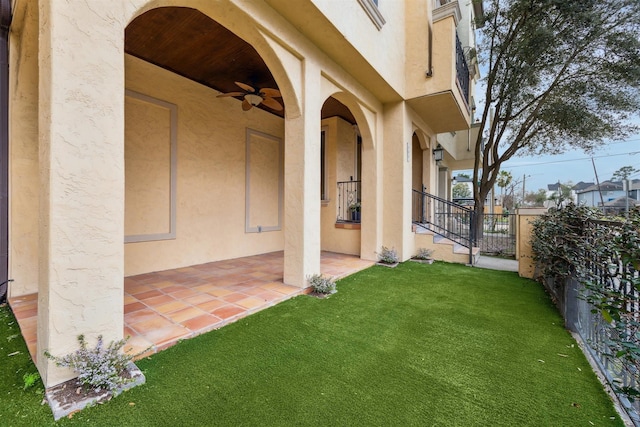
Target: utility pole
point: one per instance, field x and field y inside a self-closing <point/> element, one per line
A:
<point x="524" y="179"/>
<point x="598" y="183"/>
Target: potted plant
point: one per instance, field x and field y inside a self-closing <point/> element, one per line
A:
<point x="388" y="257"/>
<point x="424" y="256"/>
<point x="354" y="208"/>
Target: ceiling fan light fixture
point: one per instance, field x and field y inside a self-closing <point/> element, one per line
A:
<point x="253" y="99"/>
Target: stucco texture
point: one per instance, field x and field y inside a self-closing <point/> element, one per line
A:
<point x="211" y="166"/>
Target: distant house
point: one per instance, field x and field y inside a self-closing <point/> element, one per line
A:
<point x="591" y="195"/>
<point x="553" y="190"/>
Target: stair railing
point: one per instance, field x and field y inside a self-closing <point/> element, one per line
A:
<point x="445" y="218"/>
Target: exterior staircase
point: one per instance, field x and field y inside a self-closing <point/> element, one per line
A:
<point x="445" y="227"/>
<point x="444" y="249"/>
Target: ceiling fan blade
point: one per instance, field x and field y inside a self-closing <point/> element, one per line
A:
<point x="245" y="87"/>
<point x="246" y="105"/>
<point x="222" y="95"/>
<point x="272" y="103"/>
<point x="272" y="93"/>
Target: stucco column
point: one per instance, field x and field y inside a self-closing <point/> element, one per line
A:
<point x="81" y="138"/>
<point x="302" y="185"/>
<point x="397" y="169"/>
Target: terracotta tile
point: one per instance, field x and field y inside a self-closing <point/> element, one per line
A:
<point x="206" y="322"/>
<point x="185" y="293"/>
<point x="209" y="306"/>
<point x="199" y="299"/>
<point x="137" y="289"/>
<point x="234" y="297"/>
<point x="167" y="334"/>
<point x="175" y="305"/>
<point x="185" y="314"/>
<point x="251" y="302"/>
<point x="159" y="300"/>
<point x="219" y="292"/>
<point x="128" y="332"/>
<point x="136" y="344"/>
<point x="128" y="299"/>
<point x="162" y="285"/>
<point x="227" y="311"/>
<point x="139" y="316"/>
<point x="173" y="288"/>
<point x="151" y="323"/>
<point x="134" y="306"/>
<point x="270" y="295"/>
<point x="147" y="294"/>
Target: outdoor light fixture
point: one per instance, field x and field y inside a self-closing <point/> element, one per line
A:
<point x="438" y="153"/>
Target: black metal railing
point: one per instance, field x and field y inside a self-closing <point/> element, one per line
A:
<point x="462" y="70"/>
<point x="349" y="201"/>
<point x="444" y="218"/>
<point x="498" y="235"/>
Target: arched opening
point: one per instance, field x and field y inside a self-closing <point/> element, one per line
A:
<point x="341" y="179"/>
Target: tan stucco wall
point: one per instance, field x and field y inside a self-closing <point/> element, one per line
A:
<point x="211" y="174"/>
<point x="524" y="253"/>
<point x="23" y="153"/>
<point x="68" y="129"/>
<point x="340" y="156"/>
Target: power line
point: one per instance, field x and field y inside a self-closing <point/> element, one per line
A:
<point x="632" y="153"/>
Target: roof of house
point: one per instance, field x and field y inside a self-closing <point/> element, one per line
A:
<point x="553" y="187"/>
<point x="581" y="186"/>
<point x="621" y="202"/>
<point x="604" y="186"/>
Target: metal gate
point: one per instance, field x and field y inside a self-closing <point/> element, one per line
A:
<point x="498" y="236"/>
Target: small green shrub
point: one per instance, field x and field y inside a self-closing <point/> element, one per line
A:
<point x="322" y="285"/>
<point x="30" y="379"/>
<point x="388" y="256"/>
<point x="424" y="253"/>
<point x="100" y="367"/>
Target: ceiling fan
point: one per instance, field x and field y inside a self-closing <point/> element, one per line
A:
<point x="253" y="97"/>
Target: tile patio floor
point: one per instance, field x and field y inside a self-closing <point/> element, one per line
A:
<point x="164" y="307"/>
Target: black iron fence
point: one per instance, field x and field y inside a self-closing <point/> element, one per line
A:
<point x="349" y="202"/>
<point x="607" y="272"/>
<point x="498" y="236"/>
<point x="445" y="218"/>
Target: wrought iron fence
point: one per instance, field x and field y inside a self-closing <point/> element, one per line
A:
<point x="445" y="218"/>
<point x="607" y="271"/>
<point x="498" y="235"/>
<point x="349" y="202"/>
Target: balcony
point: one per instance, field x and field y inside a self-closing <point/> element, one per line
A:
<point x="442" y="97"/>
<point x="460" y="147"/>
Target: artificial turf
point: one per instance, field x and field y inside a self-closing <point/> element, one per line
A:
<point x="426" y="345"/>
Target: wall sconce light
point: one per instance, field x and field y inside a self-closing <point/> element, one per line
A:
<point x="438" y="153"/>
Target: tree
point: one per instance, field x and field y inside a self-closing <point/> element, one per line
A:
<point x="461" y="191"/>
<point x="536" y="199"/>
<point x="560" y="74"/>
<point x="623" y="173"/>
<point x="563" y="194"/>
<point x="504" y="179"/>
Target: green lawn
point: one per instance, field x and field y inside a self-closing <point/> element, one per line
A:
<point x="440" y="345"/>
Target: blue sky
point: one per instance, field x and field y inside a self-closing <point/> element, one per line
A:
<point x="576" y="165"/>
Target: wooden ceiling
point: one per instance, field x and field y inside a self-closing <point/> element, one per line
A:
<point x="189" y="43"/>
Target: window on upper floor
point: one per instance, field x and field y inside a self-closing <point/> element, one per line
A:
<point x="371" y="8"/>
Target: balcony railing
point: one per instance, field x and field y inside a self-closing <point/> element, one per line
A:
<point x="349" y="201"/>
<point x="462" y="70"/>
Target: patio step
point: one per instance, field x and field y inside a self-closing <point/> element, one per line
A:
<point x="443" y="249"/>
